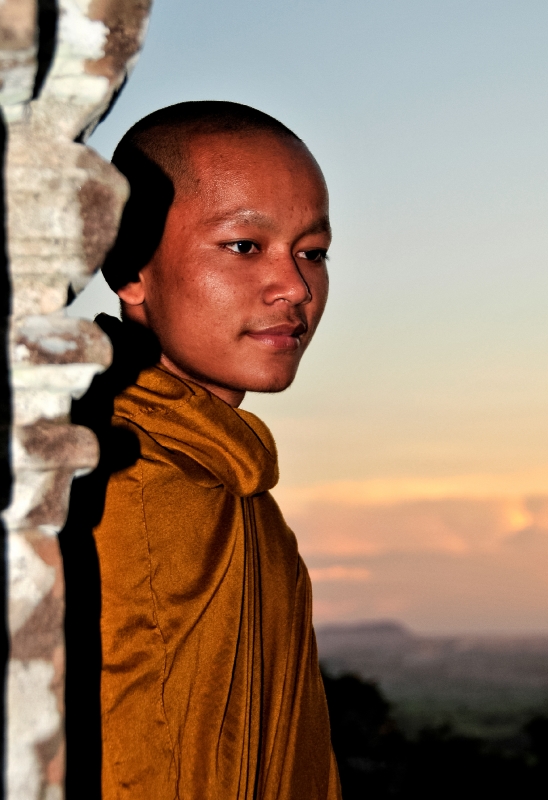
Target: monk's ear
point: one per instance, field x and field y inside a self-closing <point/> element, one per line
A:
<point x="133" y="294"/>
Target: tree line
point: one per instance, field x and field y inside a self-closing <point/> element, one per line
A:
<point x="377" y="760"/>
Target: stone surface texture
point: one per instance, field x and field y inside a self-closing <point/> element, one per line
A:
<point x="61" y="65"/>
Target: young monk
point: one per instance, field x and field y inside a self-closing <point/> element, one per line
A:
<point x="210" y="686"/>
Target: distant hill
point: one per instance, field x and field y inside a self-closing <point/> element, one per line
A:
<point x="484" y="685"/>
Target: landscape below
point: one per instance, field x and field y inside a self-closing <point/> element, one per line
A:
<point x="436" y="716"/>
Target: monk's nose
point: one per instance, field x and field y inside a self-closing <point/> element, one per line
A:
<point x="284" y="281"/>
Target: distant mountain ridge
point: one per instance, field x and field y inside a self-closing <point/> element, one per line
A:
<point x="467" y="680"/>
<point x="368" y="634"/>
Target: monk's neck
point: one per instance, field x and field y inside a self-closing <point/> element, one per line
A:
<point x="231" y="396"/>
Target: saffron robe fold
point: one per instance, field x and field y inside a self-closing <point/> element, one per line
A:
<point x="210" y="686"/>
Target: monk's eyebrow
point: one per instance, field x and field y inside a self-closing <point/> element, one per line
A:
<point x="321" y="226"/>
<point x="244" y="216"/>
<point x="250" y="217"/>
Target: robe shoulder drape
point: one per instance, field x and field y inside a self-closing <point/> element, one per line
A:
<point x="210" y="686"/>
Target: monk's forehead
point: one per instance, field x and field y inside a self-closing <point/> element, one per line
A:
<point x="209" y="155"/>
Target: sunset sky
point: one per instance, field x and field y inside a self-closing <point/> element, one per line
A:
<point x="414" y="443"/>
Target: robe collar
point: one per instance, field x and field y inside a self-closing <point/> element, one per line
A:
<point x="182" y="417"/>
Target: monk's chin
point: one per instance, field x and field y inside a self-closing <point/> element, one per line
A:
<point x="271" y="385"/>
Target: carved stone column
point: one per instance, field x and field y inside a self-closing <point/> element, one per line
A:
<point x="60" y="67"/>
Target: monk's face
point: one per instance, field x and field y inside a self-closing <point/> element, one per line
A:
<point x="238" y="283"/>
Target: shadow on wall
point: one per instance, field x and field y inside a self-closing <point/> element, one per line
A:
<point x="5" y="423"/>
<point x="135" y="349"/>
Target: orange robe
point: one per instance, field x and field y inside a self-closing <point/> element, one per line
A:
<point x="210" y="685"/>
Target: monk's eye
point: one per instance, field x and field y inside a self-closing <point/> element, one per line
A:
<point x="244" y="247"/>
<point x="317" y="255"/>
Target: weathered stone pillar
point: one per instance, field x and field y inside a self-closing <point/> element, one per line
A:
<point x="61" y="64"/>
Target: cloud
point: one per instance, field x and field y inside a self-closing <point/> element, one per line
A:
<point x="468" y="553"/>
<point x="392" y="490"/>
<point x="456" y="526"/>
<point x="339" y="573"/>
<point x="447" y="515"/>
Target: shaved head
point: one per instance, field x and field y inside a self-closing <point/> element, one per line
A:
<point x="155" y="157"/>
<point x="164" y="135"/>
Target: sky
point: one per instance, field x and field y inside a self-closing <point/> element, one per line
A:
<point x="414" y="443"/>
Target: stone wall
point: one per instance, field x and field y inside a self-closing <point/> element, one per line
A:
<point x="61" y="65"/>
